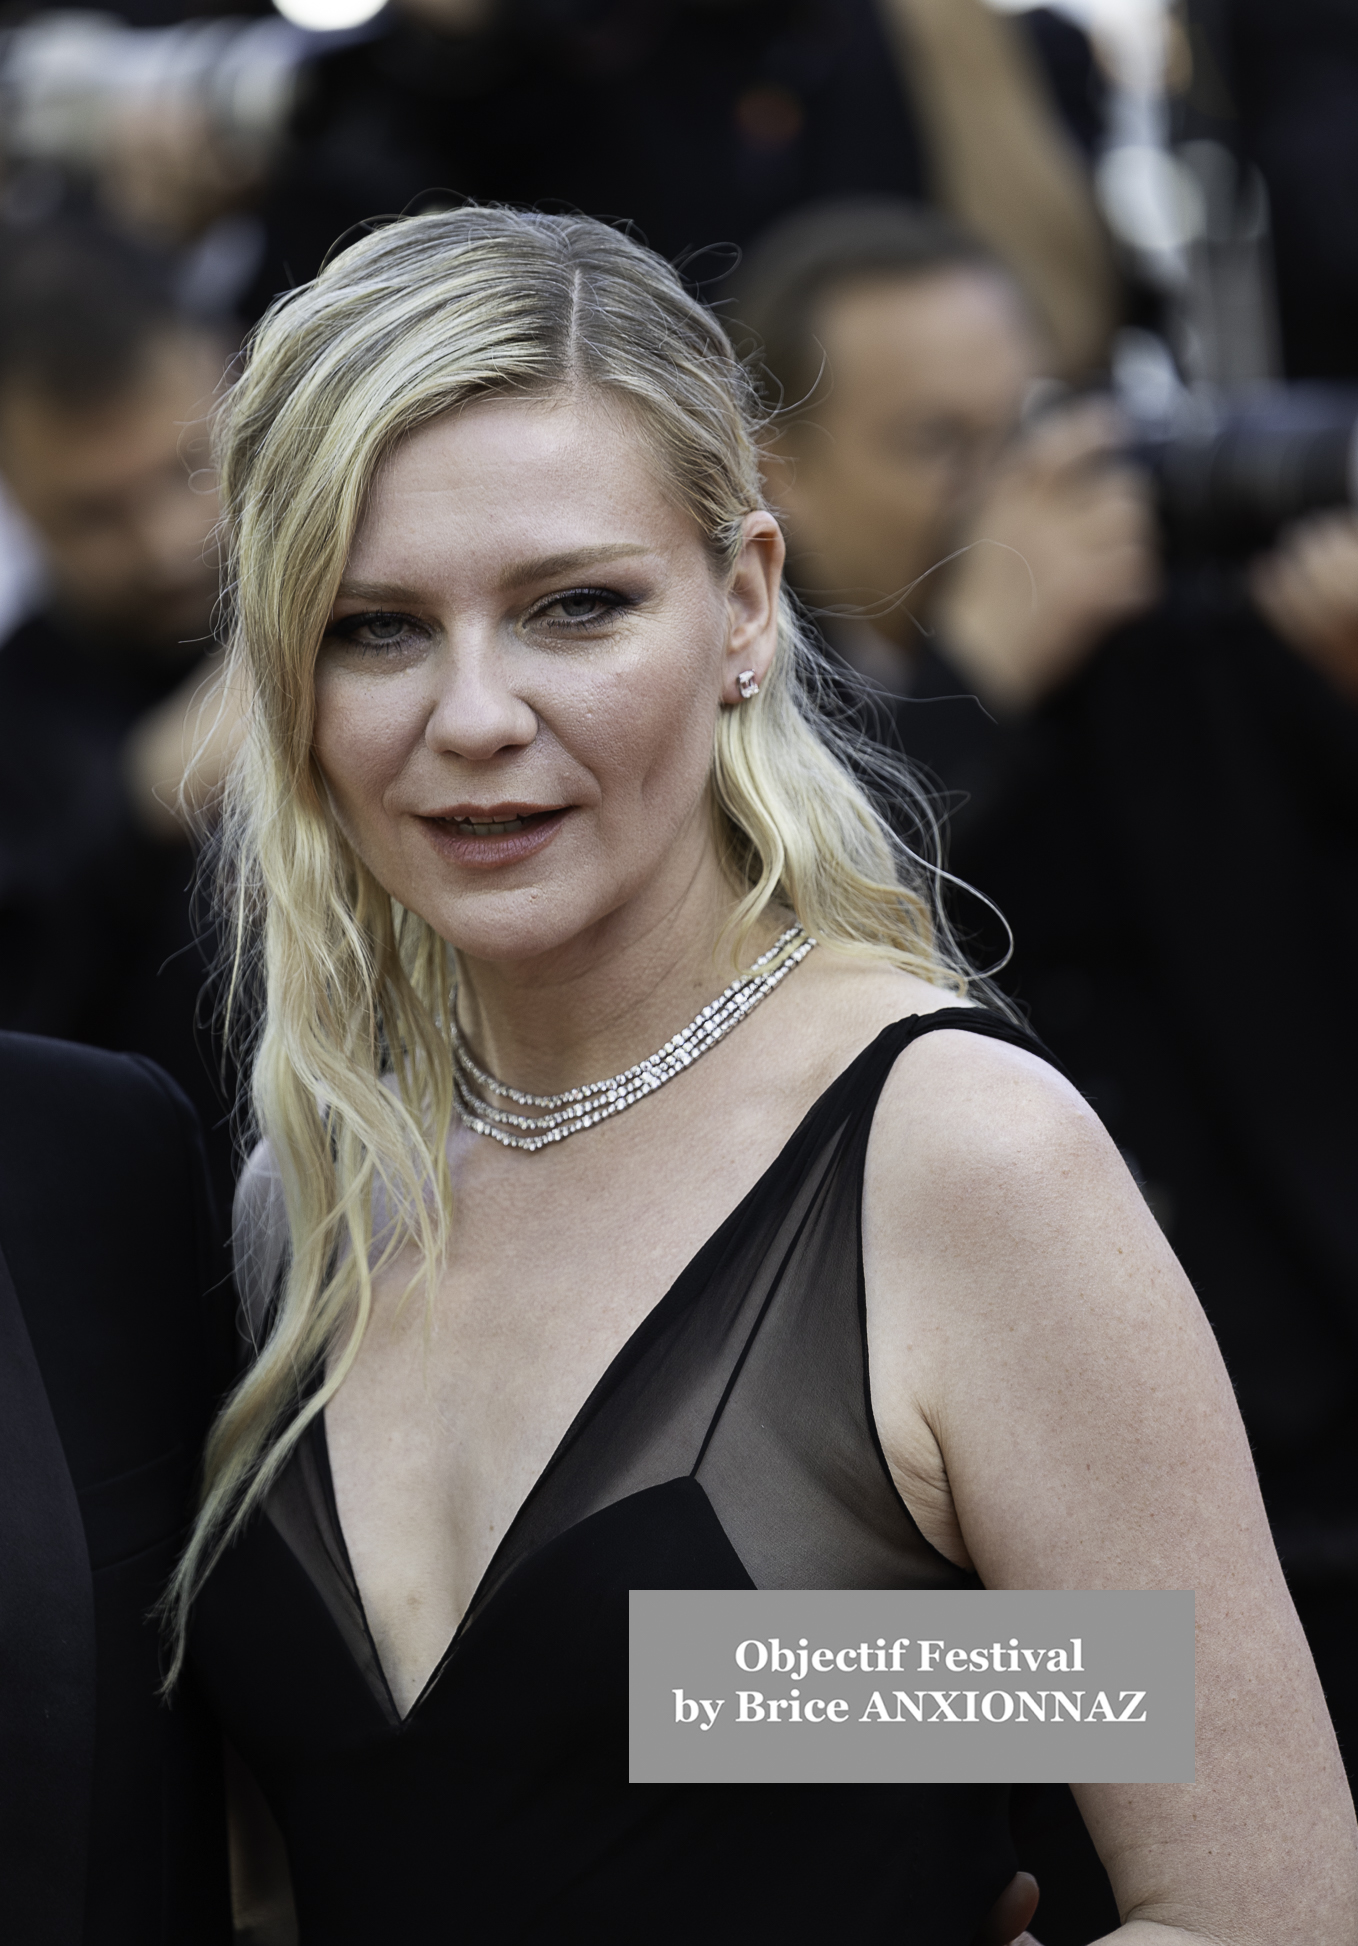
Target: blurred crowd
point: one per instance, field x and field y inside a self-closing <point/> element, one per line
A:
<point x="1061" y="362"/>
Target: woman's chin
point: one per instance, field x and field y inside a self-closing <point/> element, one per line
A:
<point x="512" y="928"/>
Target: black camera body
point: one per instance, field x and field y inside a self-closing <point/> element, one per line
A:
<point x="1231" y="470"/>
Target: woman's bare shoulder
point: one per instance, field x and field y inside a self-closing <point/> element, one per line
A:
<point x="961" y="1106"/>
<point x="964" y="1113"/>
<point x="999" y="1214"/>
<point x="1022" y="1296"/>
<point x="1033" y="1337"/>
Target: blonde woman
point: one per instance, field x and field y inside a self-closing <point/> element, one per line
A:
<point x="597" y="1004"/>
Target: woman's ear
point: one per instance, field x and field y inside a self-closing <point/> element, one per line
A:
<point x="752" y="606"/>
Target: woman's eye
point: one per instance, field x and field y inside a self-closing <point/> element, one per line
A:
<point x="373" y="632"/>
<point x="579" y="608"/>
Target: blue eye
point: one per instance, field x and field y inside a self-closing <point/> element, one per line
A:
<point x="373" y="632"/>
<point x="580" y="607"/>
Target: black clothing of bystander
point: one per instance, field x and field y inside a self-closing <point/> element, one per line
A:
<point x="98" y="941"/>
<point x="114" y="1348"/>
<point x="1174" y="840"/>
<point x="700" y="124"/>
<point x="1294" y="76"/>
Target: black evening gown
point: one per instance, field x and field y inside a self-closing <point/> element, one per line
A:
<point x="730" y="1444"/>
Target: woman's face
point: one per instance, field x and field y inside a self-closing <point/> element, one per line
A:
<point x="516" y="696"/>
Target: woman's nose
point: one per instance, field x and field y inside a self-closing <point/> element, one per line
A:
<point x="477" y="712"/>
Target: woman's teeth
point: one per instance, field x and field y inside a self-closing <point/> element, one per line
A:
<point x="495" y="828"/>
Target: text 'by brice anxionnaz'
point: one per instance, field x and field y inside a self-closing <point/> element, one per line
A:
<point x="1031" y="1703"/>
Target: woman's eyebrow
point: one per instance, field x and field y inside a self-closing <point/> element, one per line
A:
<point x="391" y="591"/>
<point x="541" y="569"/>
<point x="570" y="562"/>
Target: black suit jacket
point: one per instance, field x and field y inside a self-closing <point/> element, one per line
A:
<point x="115" y="1343"/>
<point x="101" y="940"/>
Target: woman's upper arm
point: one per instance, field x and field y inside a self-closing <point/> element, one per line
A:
<point x="1028" y="1322"/>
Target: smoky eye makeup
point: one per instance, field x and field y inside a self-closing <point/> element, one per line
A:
<point x="577" y="610"/>
<point x="376" y="631"/>
<point x="570" y="612"/>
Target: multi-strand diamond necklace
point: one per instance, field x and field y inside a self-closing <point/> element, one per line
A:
<point x="558" y="1116"/>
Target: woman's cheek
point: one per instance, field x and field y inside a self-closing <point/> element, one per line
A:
<point x="361" y="744"/>
<point x="678" y="750"/>
<point x="652" y="727"/>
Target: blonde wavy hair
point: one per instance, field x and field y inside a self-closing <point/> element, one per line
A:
<point x="350" y="993"/>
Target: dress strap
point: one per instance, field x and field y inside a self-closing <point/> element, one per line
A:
<point x="855" y="1095"/>
<point x="973" y="1020"/>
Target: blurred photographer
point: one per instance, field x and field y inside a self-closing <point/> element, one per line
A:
<point x="1151" y="798"/>
<point x="104" y="383"/>
<point x="945" y="546"/>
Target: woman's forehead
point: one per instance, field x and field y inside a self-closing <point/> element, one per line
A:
<point x="555" y="476"/>
<point x="534" y="432"/>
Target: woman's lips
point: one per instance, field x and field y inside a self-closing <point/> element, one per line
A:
<point x="483" y="843"/>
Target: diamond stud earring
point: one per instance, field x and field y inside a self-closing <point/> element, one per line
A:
<point x="747" y="685"/>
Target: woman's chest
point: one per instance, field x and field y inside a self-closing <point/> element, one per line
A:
<point x="465" y="1383"/>
<point x="460" y="1394"/>
<point x="463" y="1388"/>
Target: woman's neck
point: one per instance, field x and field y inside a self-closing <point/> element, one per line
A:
<point x="610" y="996"/>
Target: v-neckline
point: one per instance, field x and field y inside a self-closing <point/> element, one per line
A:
<point x="674" y="1294"/>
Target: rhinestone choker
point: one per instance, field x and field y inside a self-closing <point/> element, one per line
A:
<point x="563" y="1115"/>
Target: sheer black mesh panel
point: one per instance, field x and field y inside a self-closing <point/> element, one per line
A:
<point x="301" y="1506"/>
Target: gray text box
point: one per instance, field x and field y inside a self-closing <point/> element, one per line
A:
<point x="768" y="1687"/>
